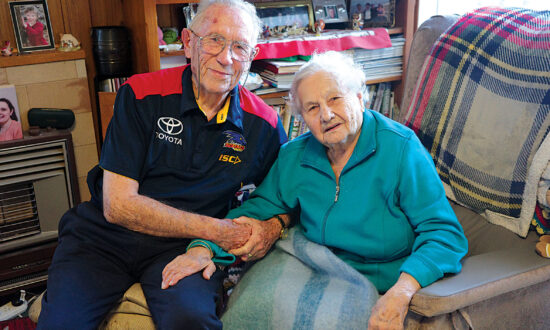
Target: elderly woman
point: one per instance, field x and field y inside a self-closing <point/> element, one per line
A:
<point x="364" y="188"/>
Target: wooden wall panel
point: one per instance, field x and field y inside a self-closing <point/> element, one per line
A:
<point x="106" y="12"/>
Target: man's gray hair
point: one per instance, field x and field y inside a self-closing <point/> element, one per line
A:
<point x="242" y="6"/>
<point x="347" y="75"/>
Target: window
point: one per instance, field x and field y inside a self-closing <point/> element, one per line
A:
<point x="428" y="8"/>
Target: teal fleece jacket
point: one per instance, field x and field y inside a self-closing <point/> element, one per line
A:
<point x="388" y="214"/>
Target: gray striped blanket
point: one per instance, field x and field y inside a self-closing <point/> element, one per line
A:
<point x="300" y="285"/>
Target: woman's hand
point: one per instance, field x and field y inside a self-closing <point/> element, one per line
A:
<point x="196" y="259"/>
<point x="390" y="310"/>
<point x="264" y="234"/>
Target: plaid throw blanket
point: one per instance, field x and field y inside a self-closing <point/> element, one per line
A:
<point x="481" y="107"/>
<point x="300" y="285"/>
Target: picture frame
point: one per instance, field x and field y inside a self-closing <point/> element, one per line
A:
<point x="375" y="13"/>
<point x="32" y="26"/>
<point x="10" y="117"/>
<point x="288" y="13"/>
<point x="330" y="11"/>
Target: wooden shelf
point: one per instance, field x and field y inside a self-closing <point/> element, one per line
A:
<point x="172" y="53"/>
<point x="40" y="57"/>
<point x="175" y="2"/>
<point x="395" y="30"/>
<point x="381" y="80"/>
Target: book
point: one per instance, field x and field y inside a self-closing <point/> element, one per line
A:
<point x="278" y="67"/>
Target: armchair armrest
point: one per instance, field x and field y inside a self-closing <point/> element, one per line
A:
<point x="482" y="277"/>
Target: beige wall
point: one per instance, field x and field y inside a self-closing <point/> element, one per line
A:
<point x="59" y="85"/>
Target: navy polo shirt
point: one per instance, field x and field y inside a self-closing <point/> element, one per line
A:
<point x="159" y="137"/>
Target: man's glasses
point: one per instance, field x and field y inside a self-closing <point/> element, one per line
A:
<point x="214" y="43"/>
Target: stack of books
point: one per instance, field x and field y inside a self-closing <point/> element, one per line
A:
<point x="383" y="62"/>
<point x="278" y="74"/>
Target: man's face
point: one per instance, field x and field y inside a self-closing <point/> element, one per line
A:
<point x="219" y="73"/>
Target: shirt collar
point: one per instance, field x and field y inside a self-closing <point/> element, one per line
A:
<point x="315" y="154"/>
<point x="230" y="112"/>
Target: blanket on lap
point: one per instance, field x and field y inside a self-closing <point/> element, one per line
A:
<point x="481" y="107"/>
<point x="300" y="285"/>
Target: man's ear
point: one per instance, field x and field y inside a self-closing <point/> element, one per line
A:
<point x="186" y="40"/>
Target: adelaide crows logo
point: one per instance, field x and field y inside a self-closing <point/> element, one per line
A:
<point x="234" y="141"/>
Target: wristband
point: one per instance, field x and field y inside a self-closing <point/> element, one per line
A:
<point x="284" y="230"/>
<point x="200" y="243"/>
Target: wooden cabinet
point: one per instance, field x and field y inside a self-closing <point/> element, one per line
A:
<point x="143" y="17"/>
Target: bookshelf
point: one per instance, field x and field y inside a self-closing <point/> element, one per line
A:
<point x="143" y="16"/>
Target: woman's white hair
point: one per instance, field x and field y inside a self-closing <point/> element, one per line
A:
<point x="347" y="75"/>
<point x="244" y="7"/>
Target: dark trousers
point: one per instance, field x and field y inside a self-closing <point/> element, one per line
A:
<point x="96" y="262"/>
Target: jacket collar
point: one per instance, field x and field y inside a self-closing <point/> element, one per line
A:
<point x="188" y="102"/>
<point x="315" y="154"/>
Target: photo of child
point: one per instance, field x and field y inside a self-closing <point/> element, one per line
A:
<point x="10" y="123"/>
<point x="32" y="27"/>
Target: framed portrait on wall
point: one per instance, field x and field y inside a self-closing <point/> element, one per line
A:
<point x="375" y="13"/>
<point x="31" y="23"/>
<point x="330" y="11"/>
<point x="10" y="118"/>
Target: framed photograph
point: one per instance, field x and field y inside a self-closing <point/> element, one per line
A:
<point x="375" y="13"/>
<point x="10" y="119"/>
<point x="275" y="15"/>
<point x="31" y="23"/>
<point x="330" y="11"/>
<point x="189" y="12"/>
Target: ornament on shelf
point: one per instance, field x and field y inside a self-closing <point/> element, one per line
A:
<point x="68" y="43"/>
<point x="319" y="27"/>
<point x="7" y="50"/>
<point x="357" y="21"/>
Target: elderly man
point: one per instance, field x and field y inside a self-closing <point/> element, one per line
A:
<point x="181" y="143"/>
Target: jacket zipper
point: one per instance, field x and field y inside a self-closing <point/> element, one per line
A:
<point x="328" y="212"/>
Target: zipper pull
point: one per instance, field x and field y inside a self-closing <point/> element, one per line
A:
<point x="337" y="192"/>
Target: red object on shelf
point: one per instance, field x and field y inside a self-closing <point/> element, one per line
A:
<point x="329" y="40"/>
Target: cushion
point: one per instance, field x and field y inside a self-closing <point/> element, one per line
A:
<point x="482" y="109"/>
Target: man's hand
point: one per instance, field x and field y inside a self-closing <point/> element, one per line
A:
<point x="390" y="310"/>
<point x="232" y="235"/>
<point x="264" y="234"/>
<point x="195" y="260"/>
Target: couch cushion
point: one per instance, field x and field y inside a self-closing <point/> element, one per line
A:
<point x="481" y="107"/>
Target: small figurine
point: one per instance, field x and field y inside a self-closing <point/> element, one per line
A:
<point x="160" y="36"/>
<point x="319" y="27"/>
<point x="357" y="22"/>
<point x="68" y="43"/>
<point x="266" y="33"/>
<point x="7" y="50"/>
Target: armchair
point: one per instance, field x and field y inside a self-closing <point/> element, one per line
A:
<point x="504" y="284"/>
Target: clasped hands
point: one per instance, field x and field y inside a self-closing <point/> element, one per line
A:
<point x="244" y="237"/>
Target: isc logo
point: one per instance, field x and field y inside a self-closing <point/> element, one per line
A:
<point x="230" y="159"/>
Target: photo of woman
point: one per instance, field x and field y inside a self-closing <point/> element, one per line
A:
<point x="10" y="123"/>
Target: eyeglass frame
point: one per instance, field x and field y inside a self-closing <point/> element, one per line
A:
<point x="251" y="56"/>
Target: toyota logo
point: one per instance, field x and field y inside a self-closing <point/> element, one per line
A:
<point x="170" y="125"/>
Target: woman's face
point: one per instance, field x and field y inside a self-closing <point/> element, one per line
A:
<point x="333" y="114"/>
<point x="5" y="113"/>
